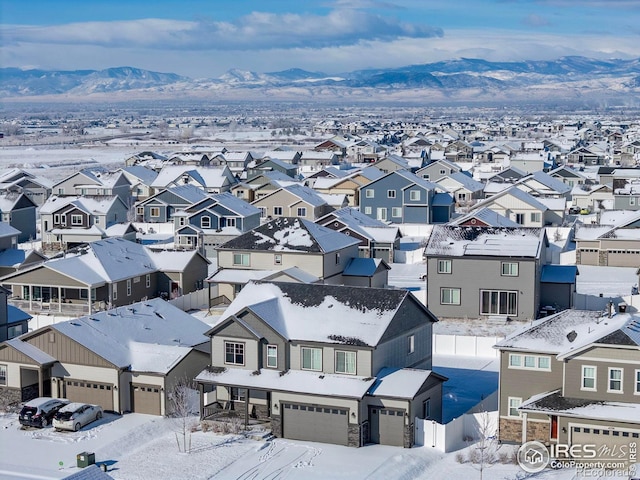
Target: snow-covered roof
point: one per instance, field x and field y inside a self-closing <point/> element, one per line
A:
<point x="465" y="180"/>
<point x="31" y="351"/>
<point x="149" y="336"/>
<point x="565" y="332"/>
<point x="322" y="313"/>
<point x="171" y="260"/>
<point x="297" y="381"/>
<point x="459" y="241"/>
<point x="7" y="230"/>
<point x="205" y="176"/>
<point x="582" y="408"/>
<point x="487" y="216"/>
<point x="291" y="234"/>
<point x="234" y="275"/>
<point x="145" y="175"/>
<point x="399" y="382"/>
<point x="8" y="200"/>
<point x="99" y="204"/>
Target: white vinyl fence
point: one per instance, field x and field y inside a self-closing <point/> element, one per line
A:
<point x="466" y="345"/>
<point x="198" y="300"/>
<point x="461" y="431"/>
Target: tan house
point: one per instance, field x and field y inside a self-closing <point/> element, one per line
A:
<point x="125" y="359"/>
<point x="293" y="201"/>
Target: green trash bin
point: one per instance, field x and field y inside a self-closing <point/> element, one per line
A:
<point x="85" y="459"/>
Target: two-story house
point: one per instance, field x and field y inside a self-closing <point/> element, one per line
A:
<point x="19" y="211"/>
<point x="141" y="179"/>
<point x="525" y="209"/>
<point x="462" y="187"/>
<point x="609" y="245"/>
<point x="438" y="169"/>
<point x="37" y="188"/>
<point x="95" y="181"/>
<point x="70" y="220"/>
<point x="281" y="244"/>
<point x="13" y="258"/>
<point x="161" y="207"/>
<point x="572" y="378"/>
<point x="207" y="179"/>
<point x="293" y="201"/>
<point x="324" y="363"/>
<point x="13" y="321"/>
<point x="402" y="197"/>
<point x="213" y="221"/>
<point x="481" y="272"/>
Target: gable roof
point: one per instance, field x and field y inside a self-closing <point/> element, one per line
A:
<point x="517" y="193"/>
<point x="488" y="216"/>
<point x="323" y="313"/>
<point x="291" y="234"/>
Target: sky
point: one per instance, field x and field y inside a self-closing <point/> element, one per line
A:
<point x="206" y="38"/>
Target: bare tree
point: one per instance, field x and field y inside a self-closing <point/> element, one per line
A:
<point x="484" y="453"/>
<point x="182" y="398"/>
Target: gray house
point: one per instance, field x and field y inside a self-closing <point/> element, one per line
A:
<point x="160" y="207"/>
<point x="95" y="181"/>
<point x="13" y="321"/>
<point x="19" y="211"/>
<point x="324" y="363"/>
<point x="37" y="188"/>
<point x="402" y="197"/>
<point x="481" y="272"/>
<point x="572" y="378"/>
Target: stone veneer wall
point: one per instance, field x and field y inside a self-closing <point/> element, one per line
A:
<point x="539" y="431"/>
<point x="510" y="431"/>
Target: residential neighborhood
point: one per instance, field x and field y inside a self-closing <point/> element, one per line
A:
<point x="361" y="290"/>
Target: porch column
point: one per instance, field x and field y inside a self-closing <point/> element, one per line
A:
<point x="524" y="427"/>
<point x="89" y="299"/>
<point x="40" y="383"/>
<point x="30" y="298"/>
<point x="59" y="299"/>
<point x="201" y="392"/>
<point x="246" y="409"/>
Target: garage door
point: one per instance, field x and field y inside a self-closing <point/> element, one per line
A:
<point x="89" y="392"/>
<point x="146" y="399"/>
<point x="315" y="423"/>
<point x="606" y="440"/>
<point x="387" y="426"/>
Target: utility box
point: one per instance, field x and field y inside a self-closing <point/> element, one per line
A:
<point x="85" y="459"/>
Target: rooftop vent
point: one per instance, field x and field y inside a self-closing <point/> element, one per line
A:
<point x="572" y="335"/>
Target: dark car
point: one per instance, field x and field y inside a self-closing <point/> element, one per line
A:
<point x="574" y="210"/>
<point x="40" y="411"/>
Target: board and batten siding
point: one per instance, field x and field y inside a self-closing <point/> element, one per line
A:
<point x="66" y="350"/>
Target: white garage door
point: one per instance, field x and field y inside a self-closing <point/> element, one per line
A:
<point x="608" y="441"/>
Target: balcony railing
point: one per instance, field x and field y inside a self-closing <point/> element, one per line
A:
<point x="75" y="308"/>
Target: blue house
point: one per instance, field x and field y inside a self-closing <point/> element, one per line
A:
<point x="160" y="207"/>
<point x="403" y="197"/>
<point x="212" y="221"/>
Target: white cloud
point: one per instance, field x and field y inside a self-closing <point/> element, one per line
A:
<point x="258" y="30"/>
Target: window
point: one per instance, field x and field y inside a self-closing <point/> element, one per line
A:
<point x="3" y="374"/>
<point x="444" y="266"/>
<point x="426" y="409"/>
<point x="369" y="193"/>
<point x="414" y="195"/>
<point x="509" y="269"/>
<point x="205" y="222"/>
<point x="425" y="176"/>
<point x="311" y="358"/>
<point x="115" y="291"/>
<point x="147" y="280"/>
<point x="396" y="212"/>
<point x="544" y="363"/>
<point x="272" y="356"/>
<point x="140" y="211"/>
<point x="277" y="211"/>
<point x="367" y="210"/>
<point x="588" y="378"/>
<point x="154" y="211"/>
<point x="637" y="382"/>
<point x="514" y="403"/>
<point x="230" y="222"/>
<point x="263" y="212"/>
<point x="61" y="191"/>
<point x="529" y="362"/>
<point x="128" y="287"/>
<point x="411" y="343"/>
<point x="535" y="217"/>
<point x="56" y="219"/>
<point x="381" y="214"/>
<point x="493" y="302"/>
<point x="346" y="362"/>
<point x="632" y="201"/>
<point x="302" y="211"/>
<point x="449" y="296"/>
<point x="391" y="194"/>
<point x="241" y="259"/>
<point x="615" y="380"/>
<point x="338" y="258"/>
<point x="15" y="331"/>
<point x="277" y="259"/>
<point x="76" y="219"/>
<point x="234" y="353"/>
<point x="520" y="218"/>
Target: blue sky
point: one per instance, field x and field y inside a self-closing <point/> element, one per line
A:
<point x="205" y="38"/>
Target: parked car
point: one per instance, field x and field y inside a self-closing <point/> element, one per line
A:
<point x="40" y="411"/>
<point x="76" y="415"/>
<point x="574" y="210"/>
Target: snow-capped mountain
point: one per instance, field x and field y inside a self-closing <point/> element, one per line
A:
<point x="454" y="80"/>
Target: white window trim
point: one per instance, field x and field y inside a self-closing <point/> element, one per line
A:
<point x="391" y="194"/>
<point x="75" y="216"/>
<point x="275" y="212"/>
<point x="242" y="256"/>
<point x="621" y="370"/>
<point x="148" y="280"/>
<point x="302" y="211"/>
<point x="595" y="378"/>
<point x="115" y="291"/>
<point x="277" y="259"/>
<point x="522" y="365"/>
<point x="272" y="356"/>
<point x="509" y="274"/>
<point x="302" y="349"/>
<point x="636" y="382"/>
<point x="367" y="210"/>
<point x="442" y="289"/>
<point x="151" y="209"/>
<point x="128" y="287"/>
<point x="411" y="344"/>
<point x="244" y="353"/>
<point x="414" y="195"/>
<point x="350" y="352"/>
<point x="396" y="212"/>
<point x="499" y="292"/>
<point x="517" y="399"/>
<point x="369" y="193"/>
<point x="202" y="221"/>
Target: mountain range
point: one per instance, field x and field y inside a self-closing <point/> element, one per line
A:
<point x="568" y="78"/>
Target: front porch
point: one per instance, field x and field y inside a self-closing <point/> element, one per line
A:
<point x="36" y="299"/>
